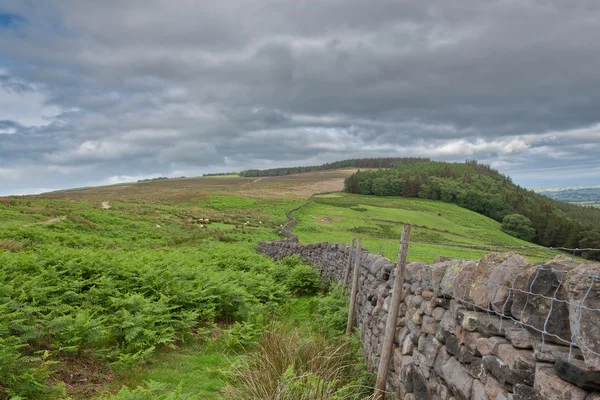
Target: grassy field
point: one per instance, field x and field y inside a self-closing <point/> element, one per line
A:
<point x="588" y="204"/>
<point x="437" y="226"/>
<point x="164" y="289"/>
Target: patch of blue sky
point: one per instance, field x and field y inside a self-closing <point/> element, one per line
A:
<point x="8" y="21"/>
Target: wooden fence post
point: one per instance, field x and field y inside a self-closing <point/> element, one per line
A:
<point x="354" y="287"/>
<point x="349" y="264"/>
<point x="392" y="317"/>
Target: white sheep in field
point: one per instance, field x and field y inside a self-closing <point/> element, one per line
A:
<point x="201" y="226"/>
<point x="157" y="225"/>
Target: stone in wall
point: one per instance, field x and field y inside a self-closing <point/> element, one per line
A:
<point x="489" y="346"/>
<point x="458" y="279"/>
<point x="548" y="352"/>
<point x="520" y="338"/>
<point x="533" y="303"/>
<point x="525" y="392"/>
<point x="493" y="325"/>
<point x="577" y="373"/>
<point x="457" y="378"/>
<point x="551" y="387"/>
<point x="480" y="289"/>
<point x="584" y="297"/>
<point x="478" y="391"/>
<point x="494" y="390"/>
<point x="501" y="280"/>
<point x="520" y="362"/>
<point x="415" y="271"/>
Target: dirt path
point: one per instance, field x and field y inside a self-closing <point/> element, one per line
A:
<point x="50" y="221"/>
<point x="53" y="220"/>
<point x="105" y="205"/>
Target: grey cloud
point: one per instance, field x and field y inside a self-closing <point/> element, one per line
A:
<point x="157" y="87"/>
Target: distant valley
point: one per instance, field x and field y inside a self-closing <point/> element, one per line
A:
<point x="589" y="196"/>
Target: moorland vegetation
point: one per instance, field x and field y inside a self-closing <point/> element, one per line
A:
<point x="89" y="294"/>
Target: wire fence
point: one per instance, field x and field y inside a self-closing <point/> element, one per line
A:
<point x="431" y="251"/>
<point x="552" y="292"/>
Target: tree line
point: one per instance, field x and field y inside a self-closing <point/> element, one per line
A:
<point x="352" y="163"/>
<point x="221" y="174"/>
<point x="160" y="178"/>
<point x="484" y="190"/>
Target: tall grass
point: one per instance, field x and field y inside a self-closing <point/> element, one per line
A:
<point x="290" y="366"/>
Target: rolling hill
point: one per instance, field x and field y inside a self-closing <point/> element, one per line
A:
<point x="484" y="190"/>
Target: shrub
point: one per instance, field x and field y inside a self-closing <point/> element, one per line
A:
<point x="304" y="280"/>
<point x="519" y="226"/>
<point x="331" y="312"/>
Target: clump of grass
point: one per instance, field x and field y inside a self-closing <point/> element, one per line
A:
<point x="290" y="366"/>
<point x="83" y="222"/>
<point x="11" y="245"/>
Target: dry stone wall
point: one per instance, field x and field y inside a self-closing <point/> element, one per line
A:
<point x="471" y="329"/>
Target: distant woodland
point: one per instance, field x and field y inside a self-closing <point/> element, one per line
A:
<point x="353" y="163"/>
<point x="160" y="178"/>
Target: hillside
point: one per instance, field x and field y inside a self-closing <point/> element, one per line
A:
<point x="102" y="284"/>
<point x="353" y="163"/>
<point x="484" y="190"/>
<point x="437" y="226"/>
<point x="190" y="189"/>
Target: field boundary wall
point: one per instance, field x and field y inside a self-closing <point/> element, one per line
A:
<point x="286" y="230"/>
<point x="496" y="328"/>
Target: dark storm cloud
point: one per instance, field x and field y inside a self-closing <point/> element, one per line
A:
<point x="95" y="92"/>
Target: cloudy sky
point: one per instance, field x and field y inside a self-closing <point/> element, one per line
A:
<point x="96" y="92"/>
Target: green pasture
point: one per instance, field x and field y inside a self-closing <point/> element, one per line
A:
<point x="378" y="220"/>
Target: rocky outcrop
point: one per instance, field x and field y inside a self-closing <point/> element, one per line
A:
<point x="475" y="329"/>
